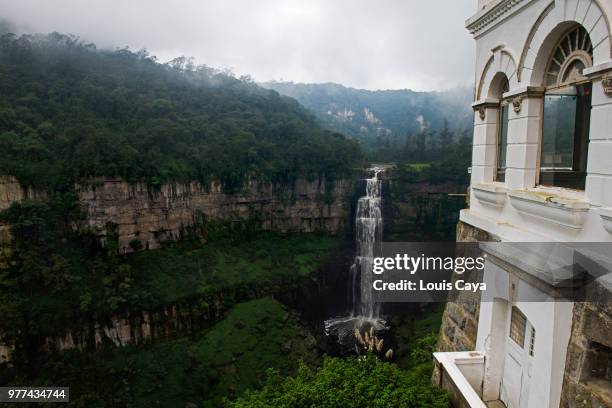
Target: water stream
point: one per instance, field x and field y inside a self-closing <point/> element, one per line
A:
<point x="368" y="236"/>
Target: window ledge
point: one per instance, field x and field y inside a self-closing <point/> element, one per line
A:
<point x="566" y="211"/>
<point x="492" y="194"/>
<point x="606" y="219"/>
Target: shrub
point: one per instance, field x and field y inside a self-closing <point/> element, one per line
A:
<point x="351" y="382"/>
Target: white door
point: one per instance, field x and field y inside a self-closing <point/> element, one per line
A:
<point x="516" y="378"/>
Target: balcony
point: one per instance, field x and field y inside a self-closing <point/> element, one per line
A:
<point x="462" y="375"/>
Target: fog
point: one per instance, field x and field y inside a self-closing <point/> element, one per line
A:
<point x="387" y="44"/>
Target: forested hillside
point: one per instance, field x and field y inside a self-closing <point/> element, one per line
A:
<point x="103" y="153"/>
<point x="382" y="118"/>
<point x="68" y="110"/>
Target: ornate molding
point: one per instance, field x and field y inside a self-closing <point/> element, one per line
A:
<point x="517" y="104"/>
<point x="546" y="12"/>
<point x="481" y="107"/>
<point x="482" y="112"/>
<point x="491" y="15"/>
<point x="606" y="84"/>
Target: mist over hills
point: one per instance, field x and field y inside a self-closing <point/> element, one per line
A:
<point x="70" y="111"/>
<point x="377" y="118"/>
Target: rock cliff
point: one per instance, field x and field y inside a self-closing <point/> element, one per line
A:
<point x="153" y="215"/>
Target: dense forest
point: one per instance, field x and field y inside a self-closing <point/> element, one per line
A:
<point x="384" y="118"/>
<point x="68" y="110"/>
<point x="226" y="300"/>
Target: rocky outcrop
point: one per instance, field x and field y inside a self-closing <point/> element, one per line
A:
<point x="11" y="191"/>
<point x="154" y="215"/>
<point x="146" y="216"/>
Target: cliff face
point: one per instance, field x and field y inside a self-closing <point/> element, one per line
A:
<point x="153" y="216"/>
<point x="10" y="191"/>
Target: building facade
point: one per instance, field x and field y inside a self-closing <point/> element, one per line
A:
<point x="541" y="173"/>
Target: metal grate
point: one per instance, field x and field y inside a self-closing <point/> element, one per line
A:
<point x="518" y="325"/>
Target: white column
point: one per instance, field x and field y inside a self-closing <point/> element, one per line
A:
<point x="599" y="162"/>
<point x="524" y="129"/>
<point x="484" y="145"/>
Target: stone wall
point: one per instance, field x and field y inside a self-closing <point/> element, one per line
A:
<point x="587" y="380"/>
<point x="460" y="320"/>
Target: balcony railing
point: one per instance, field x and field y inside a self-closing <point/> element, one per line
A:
<point x="461" y="374"/>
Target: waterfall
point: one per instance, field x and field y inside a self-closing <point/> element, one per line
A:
<point x="368" y="229"/>
<point x="368" y="237"/>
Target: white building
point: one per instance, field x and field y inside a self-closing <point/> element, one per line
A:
<point x="541" y="172"/>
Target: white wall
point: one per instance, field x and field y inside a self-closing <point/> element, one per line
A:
<point x="506" y="46"/>
<point x="552" y="321"/>
<point x="510" y="37"/>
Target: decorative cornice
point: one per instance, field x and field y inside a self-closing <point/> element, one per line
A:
<point x="485" y="103"/>
<point x="482" y="106"/>
<point x="491" y="15"/>
<point x="525" y="92"/>
<point x="599" y="70"/>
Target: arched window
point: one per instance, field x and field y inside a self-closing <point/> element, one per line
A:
<point x="502" y="132"/>
<point x="567" y="112"/>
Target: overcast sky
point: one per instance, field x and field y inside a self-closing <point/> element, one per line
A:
<point x="373" y="44"/>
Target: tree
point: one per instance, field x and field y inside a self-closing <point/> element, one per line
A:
<point x="350" y="382"/>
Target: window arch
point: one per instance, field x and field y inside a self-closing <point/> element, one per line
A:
<point x="573" y="54"/>
<point x="567" y="112"/>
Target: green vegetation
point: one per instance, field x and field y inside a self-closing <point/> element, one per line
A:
<point x="416" y="336"/>
<point x="364" y="381"/>
<point x="217" y="363"/>
<point x="258" y="356"/>
<point x="266" y="261"/>
<point x="351" y="382"/>
<point x="427" y="195"/>
<point x="69" y="111"/>
<point x="437" y="164"/>
<point x="61" y="278"/>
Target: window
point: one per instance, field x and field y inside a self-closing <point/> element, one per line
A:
<point x="502" y="134"/>
<point x="567" y="112"/>
<point x="518" y="325"/>
<point x="532" y="342"/>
